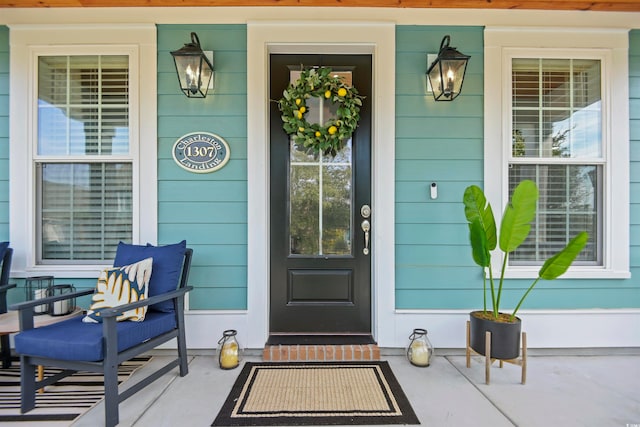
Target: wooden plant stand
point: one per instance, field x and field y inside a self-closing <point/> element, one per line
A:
<point x="521" y="361"/>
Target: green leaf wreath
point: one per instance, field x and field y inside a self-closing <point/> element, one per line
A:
<point x="327" y="137"/>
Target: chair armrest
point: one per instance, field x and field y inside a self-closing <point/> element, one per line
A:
<point x="25" y="309"/>
<point x="118" y="310"/>
<point x="36" y="302"/>
<point x="5" y="288"/>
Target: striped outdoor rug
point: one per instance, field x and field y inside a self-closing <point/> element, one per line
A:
<point x="63" y="401"/>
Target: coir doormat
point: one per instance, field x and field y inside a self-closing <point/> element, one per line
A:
<point x="63" y="401"/>
<point x="331" y="393"/>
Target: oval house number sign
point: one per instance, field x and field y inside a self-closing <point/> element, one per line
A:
<point x="201" y="152"/>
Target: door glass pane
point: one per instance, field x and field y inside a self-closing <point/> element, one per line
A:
<point x="320" y="192"/>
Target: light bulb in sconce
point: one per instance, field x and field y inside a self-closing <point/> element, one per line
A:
<point x="449" y="89"/>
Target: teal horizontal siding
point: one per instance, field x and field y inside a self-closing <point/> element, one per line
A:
<point x="4" y="133"/>
<point x="443" y="143"/>
<point x="455" y="169"/>
<point x="204" y="212"/>
<point x="550" y="299"/>
<point x="183" y="191"/>
<point x="219" y="255"/>
<point x="438" y="277"/>
<point x="442" y="128"/>
<point x="432" y="149"/>
<point x="435" y="142"/>
<point x="430" y="254"/>
<point x="234" y="170"/>
<point x="217" y="276"/>
<point x="203" y="298"/>
<point x="634" y="130"/>
<point x="208" y="210"/>
<point x="204" y="232"/>
<point x="225" y="126"/>
<point x="429" y="213"/>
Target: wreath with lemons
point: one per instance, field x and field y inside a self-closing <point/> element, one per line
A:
<point x="329" y="137"/>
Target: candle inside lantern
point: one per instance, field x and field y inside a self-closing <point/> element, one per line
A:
<point x="229" y="350"/>
<point x="420" y="354"/>
<point x="61" y="307"/>
<point x="419" y="350"/>
<point x="229" y="355"/>
<point x="40" y="294"/>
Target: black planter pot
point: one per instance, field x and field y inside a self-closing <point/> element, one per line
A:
<point x="505" y="337"/>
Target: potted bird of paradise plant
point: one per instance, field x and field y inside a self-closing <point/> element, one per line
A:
<point x="514" y="228"/>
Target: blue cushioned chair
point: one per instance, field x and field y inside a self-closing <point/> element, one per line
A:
<point x="73" y="345"/>
<point x="5" y="261"/>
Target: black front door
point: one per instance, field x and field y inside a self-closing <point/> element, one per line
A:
<point x="320" y="255"/>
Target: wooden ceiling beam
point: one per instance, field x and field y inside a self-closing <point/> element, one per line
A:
<point x="593" y="5"/>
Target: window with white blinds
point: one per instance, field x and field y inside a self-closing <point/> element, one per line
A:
<point x="83" y="161"/>
<point x="557" y="141"/>
<point x="556" y="111"/>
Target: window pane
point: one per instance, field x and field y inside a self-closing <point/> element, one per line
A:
<point x="556" y="108"/>
<point x="570" y="202"/>
<point x="83" y="105"/>
<point x="86" y="209"/>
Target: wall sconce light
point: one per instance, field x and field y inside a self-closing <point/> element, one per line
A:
<point x="446" y="74"/>
<point x="195" y="70"/>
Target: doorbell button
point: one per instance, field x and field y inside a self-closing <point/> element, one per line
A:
<point x="434" y="190"/>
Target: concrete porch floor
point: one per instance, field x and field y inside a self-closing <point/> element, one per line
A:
<point x="596" y="388"/>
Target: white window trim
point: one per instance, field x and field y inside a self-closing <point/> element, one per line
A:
<point x="25" y="42"/>
<point x="612" y="46"/>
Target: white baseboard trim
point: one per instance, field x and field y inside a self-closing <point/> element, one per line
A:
<point x="549" y="329"/>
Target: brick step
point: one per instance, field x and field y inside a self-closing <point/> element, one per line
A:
<point x="320" y="352"/>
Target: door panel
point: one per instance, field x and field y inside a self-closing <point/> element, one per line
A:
<point x="320" y="275"/>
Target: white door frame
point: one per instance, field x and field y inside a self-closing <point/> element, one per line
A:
<point x="377" y="39"/>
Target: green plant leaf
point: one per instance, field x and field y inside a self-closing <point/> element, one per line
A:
<point x="478" y="238"/>
<point x="558" y="264"/>
<point x="476" y="207"/>
<point x="516" y="221"/>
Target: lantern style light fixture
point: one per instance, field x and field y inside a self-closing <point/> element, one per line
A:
<point x="446" y="73"/>
<point x="195" y="70"/>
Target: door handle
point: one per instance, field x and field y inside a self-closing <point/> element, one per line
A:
<point x="366" y="226"/>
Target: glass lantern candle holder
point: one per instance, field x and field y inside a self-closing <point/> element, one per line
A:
<point x="420" y="350"/>
<point x="38" y="288"/>
<point x="61" y="307"/>
<point x="229" y="350"/>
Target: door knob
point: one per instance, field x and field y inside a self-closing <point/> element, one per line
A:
<point x="366" y="226"/>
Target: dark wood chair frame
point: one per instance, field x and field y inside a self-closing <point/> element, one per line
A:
<point x="112" y="358"/>
<point x="5" y="345"/>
